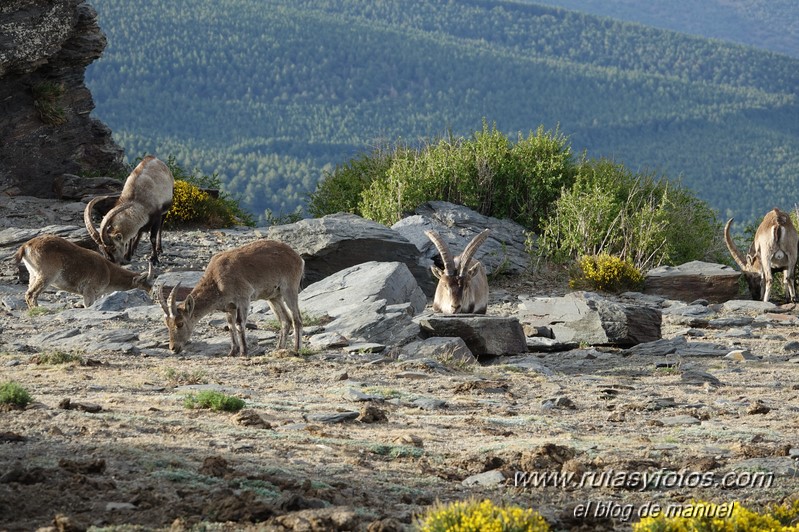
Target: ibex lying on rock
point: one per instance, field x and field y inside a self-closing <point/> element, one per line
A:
<point x="265" y="269"/>
<point x="774" y="248"/>
<point x="462" y="285"/>
<point x="145" y="199"/>
<point x="53" y="260"/>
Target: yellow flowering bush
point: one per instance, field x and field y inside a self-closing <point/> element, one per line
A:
<point x="192" y="206"/>
<point x="187" y="203"/>
<point x="607" y="273"/>
<point x="703" y="516"/>
<point x="480" y="516"/>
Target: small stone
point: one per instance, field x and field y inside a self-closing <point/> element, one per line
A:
<point x="338" y="417"/>
<point x="758" y="408"/>
<point x="250" y="418"/>
<point x="410" y="439"/>
<point x="426" y="403"/>
<point x="487" y="479"/>
<point x="699" y="378"/>
<point x="372" y="414"/>
<point x="352" y="394"/>
<point x="559" y="402"/>
<point x="616" y="417"/>
<point x="680" y="420"/>
<point x="741" y="355"/>
<point x="117" y="506"/>
<point x="791" y="346"/>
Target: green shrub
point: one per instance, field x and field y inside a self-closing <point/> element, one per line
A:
<point x="341" y="190"/>
<point x="57" y="357"/>
<point x="14" y="395"/>
<point x="480" y="516"/>
<point x="193" y="207"/>
<point x="216" y="401"/>
<point x="606" y="273"/>
<point x="702" y="516"/>
<point x="486" y="172"/>
<point x="642" y="219"/>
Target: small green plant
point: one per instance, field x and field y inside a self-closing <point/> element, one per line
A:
<point x="213" y="400"/>
<point x="54" y="358"/>
<point x="182" y="378"/>
<point x="14" y="395"/>
<point x="38" y="311"/>
<point x="606" y="273"/>
<point x="703" y="516"/>
<point x="46" y="98"/>
<point x="480" y="516"/>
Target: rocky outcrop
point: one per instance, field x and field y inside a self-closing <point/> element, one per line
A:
<point x="332" y="243"/>
<point x="45" y="122"/>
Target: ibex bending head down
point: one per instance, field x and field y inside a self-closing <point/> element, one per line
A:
<point x="773" y="249"/>
<point x="145" y="199"/>
<point x="52" y="260"/>
<point x="462" y="284"/>
<point x="264" y="269"/>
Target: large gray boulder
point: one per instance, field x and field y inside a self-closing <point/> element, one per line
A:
<point x="586" y="317"/>
<point x="503" y="252"/>
<point x="371" y="281"/>
<point x="687" y="282"/>
<point x="337" y="241"/>
<point x="369" y="302"/>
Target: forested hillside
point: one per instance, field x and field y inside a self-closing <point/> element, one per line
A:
<point x="270" y="94"/>
<point x="767" y="24"/>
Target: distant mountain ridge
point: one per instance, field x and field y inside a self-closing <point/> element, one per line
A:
<point x="273" y="94"/>
<point x="767" y="24"/>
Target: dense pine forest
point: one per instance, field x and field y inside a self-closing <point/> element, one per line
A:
<point x="273" y="94"/>
<point x="767" y="24"/>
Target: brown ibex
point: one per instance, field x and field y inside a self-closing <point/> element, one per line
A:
<point x="53" y="260"/>
<point x="142" y="205"/>
<point x="264" y="269"/>
<point x="773" y="249"/>
<point x="462" y="284"/>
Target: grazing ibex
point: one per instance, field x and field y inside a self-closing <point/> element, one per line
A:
<point x="264" y="269"/>
<point x="53" y="260"/>
<point x="462" y="285"/>
<point x="774" y="248"/>
<point x="145" y="199"/>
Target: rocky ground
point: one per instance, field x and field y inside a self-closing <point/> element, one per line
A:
<point x="358" y="440"/>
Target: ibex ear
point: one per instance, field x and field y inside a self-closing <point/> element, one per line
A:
<point x="437" y="272"/>
<point x="189" y="305"/>
<point x="473" y="270"/>
<point x="143" y="279"/>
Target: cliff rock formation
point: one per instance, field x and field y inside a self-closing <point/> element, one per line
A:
<point x="45" y="127"/>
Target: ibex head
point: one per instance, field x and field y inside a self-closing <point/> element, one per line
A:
<point x="178" y="318"/>
<point x="462" y="284"/>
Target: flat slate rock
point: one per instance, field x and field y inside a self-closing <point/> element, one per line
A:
<point x="483" y="335"/>
<point x="715" y="282"/>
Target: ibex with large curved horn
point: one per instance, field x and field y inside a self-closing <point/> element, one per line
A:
<point x="462" y="284"/>
<point x="145" y="199"/>
<point x="264" y="269"/>
<point x="773" y="249"/>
